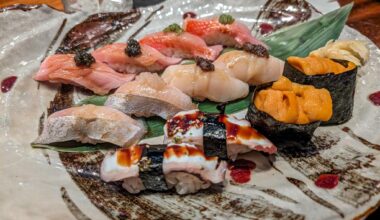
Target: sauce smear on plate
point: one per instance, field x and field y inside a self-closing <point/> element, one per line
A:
<point x="375" y="98"/>
<point x="327" y="181"/>
<point x="241" y="170"/>
<point x="8" y="83"/>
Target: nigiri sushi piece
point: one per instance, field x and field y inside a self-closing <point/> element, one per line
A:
<point x="91" y="124"/>
<point x="216" y="85"/>
<point x="250" y="68"/>
<point x="222" y="30"/>
<point x="174" y="42"/>
<point x="96" y="76"/>
<point x="149" y="95"/>
<point x="118" y="56"/>
<point x="216" y="134"/>
<point x="351" y="50"/>
<point x="160" y="168"/>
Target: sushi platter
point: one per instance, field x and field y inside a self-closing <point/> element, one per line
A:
<point x="188" y="110"/>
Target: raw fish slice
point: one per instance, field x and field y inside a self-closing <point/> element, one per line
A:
<point x="215" y="85"/>
<point x="183" y="45"/>
<point x="250" y="68"/>
<point x="149" y="95"/>
<point x="213" y="32"/>
<point x="150" y="59"/>
<point x="99" y="78"/>
<point x="91" y="124"/>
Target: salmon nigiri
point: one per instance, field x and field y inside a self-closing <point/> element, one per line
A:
<point x="223" y="30"/>
<point x="95" y="76"/>
<point x="174" y="42"/>
<point x="122" y="58"/>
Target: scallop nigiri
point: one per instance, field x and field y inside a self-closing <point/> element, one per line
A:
<point x="149" y="95"/>
<point x="92" y="75"/>
<point x="216" y="85"/>
<point x="122" y="58"/>
<point x="223" y="30"/>
<point x="251" y="68"/>
<point x="91" y="124"/>
<point x="174" y="42"/>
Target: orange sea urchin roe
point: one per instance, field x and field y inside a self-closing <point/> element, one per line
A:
<point x="294" y="103"/>
<point x="314" y="65"/>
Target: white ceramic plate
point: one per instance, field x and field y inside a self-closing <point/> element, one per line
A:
<point x="42" y="184"/>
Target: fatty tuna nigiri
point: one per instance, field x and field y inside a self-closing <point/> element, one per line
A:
<point x="95" y="76"/>
<point x="216" y="85"/>
<point x="176" y="43"/>
<point x="118" y="58"/>
<point x="223" y="30"/>
<point x="149" y="95"/>
<point x="91" y="124"/>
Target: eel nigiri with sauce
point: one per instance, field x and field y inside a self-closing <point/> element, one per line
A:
<point x="219" y="135"/>
<point x="91" y="124"/>
<point x="224" y="30"/>
<point x="133" y="58"/>
<point x="149" y="95"/>
<point x="81" y="70"/>
<point x="174" y="42"/>
<point x="183" y="167"/>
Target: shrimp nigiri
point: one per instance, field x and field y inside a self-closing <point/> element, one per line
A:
<point x="95" y="76"/>
<point x="118" y="56"/>
<point x="174" y="42"/>
<point x="223" y="30"/>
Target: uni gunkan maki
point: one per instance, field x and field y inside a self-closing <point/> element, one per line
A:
<point x="288" y="112"/>
<point x="337" y="76"/>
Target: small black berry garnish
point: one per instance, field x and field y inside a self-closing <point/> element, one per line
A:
<point x="256" y="49"/>
<point x="133" y="48"/>
<point x="82" y="58"/>
<point x="205" y="64"/>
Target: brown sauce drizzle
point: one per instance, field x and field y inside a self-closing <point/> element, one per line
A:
<point x="256" y="49"/>
<point x="183" y="123"/>
<point x="205" y="64"/>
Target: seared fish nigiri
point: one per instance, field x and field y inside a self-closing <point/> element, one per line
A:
<point x="97" y="77"/>
<point x="91" y="124"/>
<point x="160" y="168"/>
<point x="149" y="95"/>
<point x="181" y="45"/>
<point x="250" y="68"/>
<point x="148" y="60"/>
<point x="216" y="85"/>
<point x="216" y="134"/>
<point x="223" y="30"/>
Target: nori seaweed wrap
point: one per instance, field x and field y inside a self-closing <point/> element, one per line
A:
<point x="341" y="87"/>
<point x="214" y="136"/>
<point x="281" y="133"/>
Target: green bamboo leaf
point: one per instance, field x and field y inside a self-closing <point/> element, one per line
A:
<point x="301" y="39"/>
<point x="155" y="127"/>
<point x="95" y="100"/>
<point x="75" y="149"/>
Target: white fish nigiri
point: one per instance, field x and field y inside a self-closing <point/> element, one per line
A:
<point x="91" y="124"/>
<point x="150" y="59"/>
<point x="149" y="95"/>
<point x="99" y="78"/>
<point x="249" y="67"/>
<point x="215" y="85"/>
